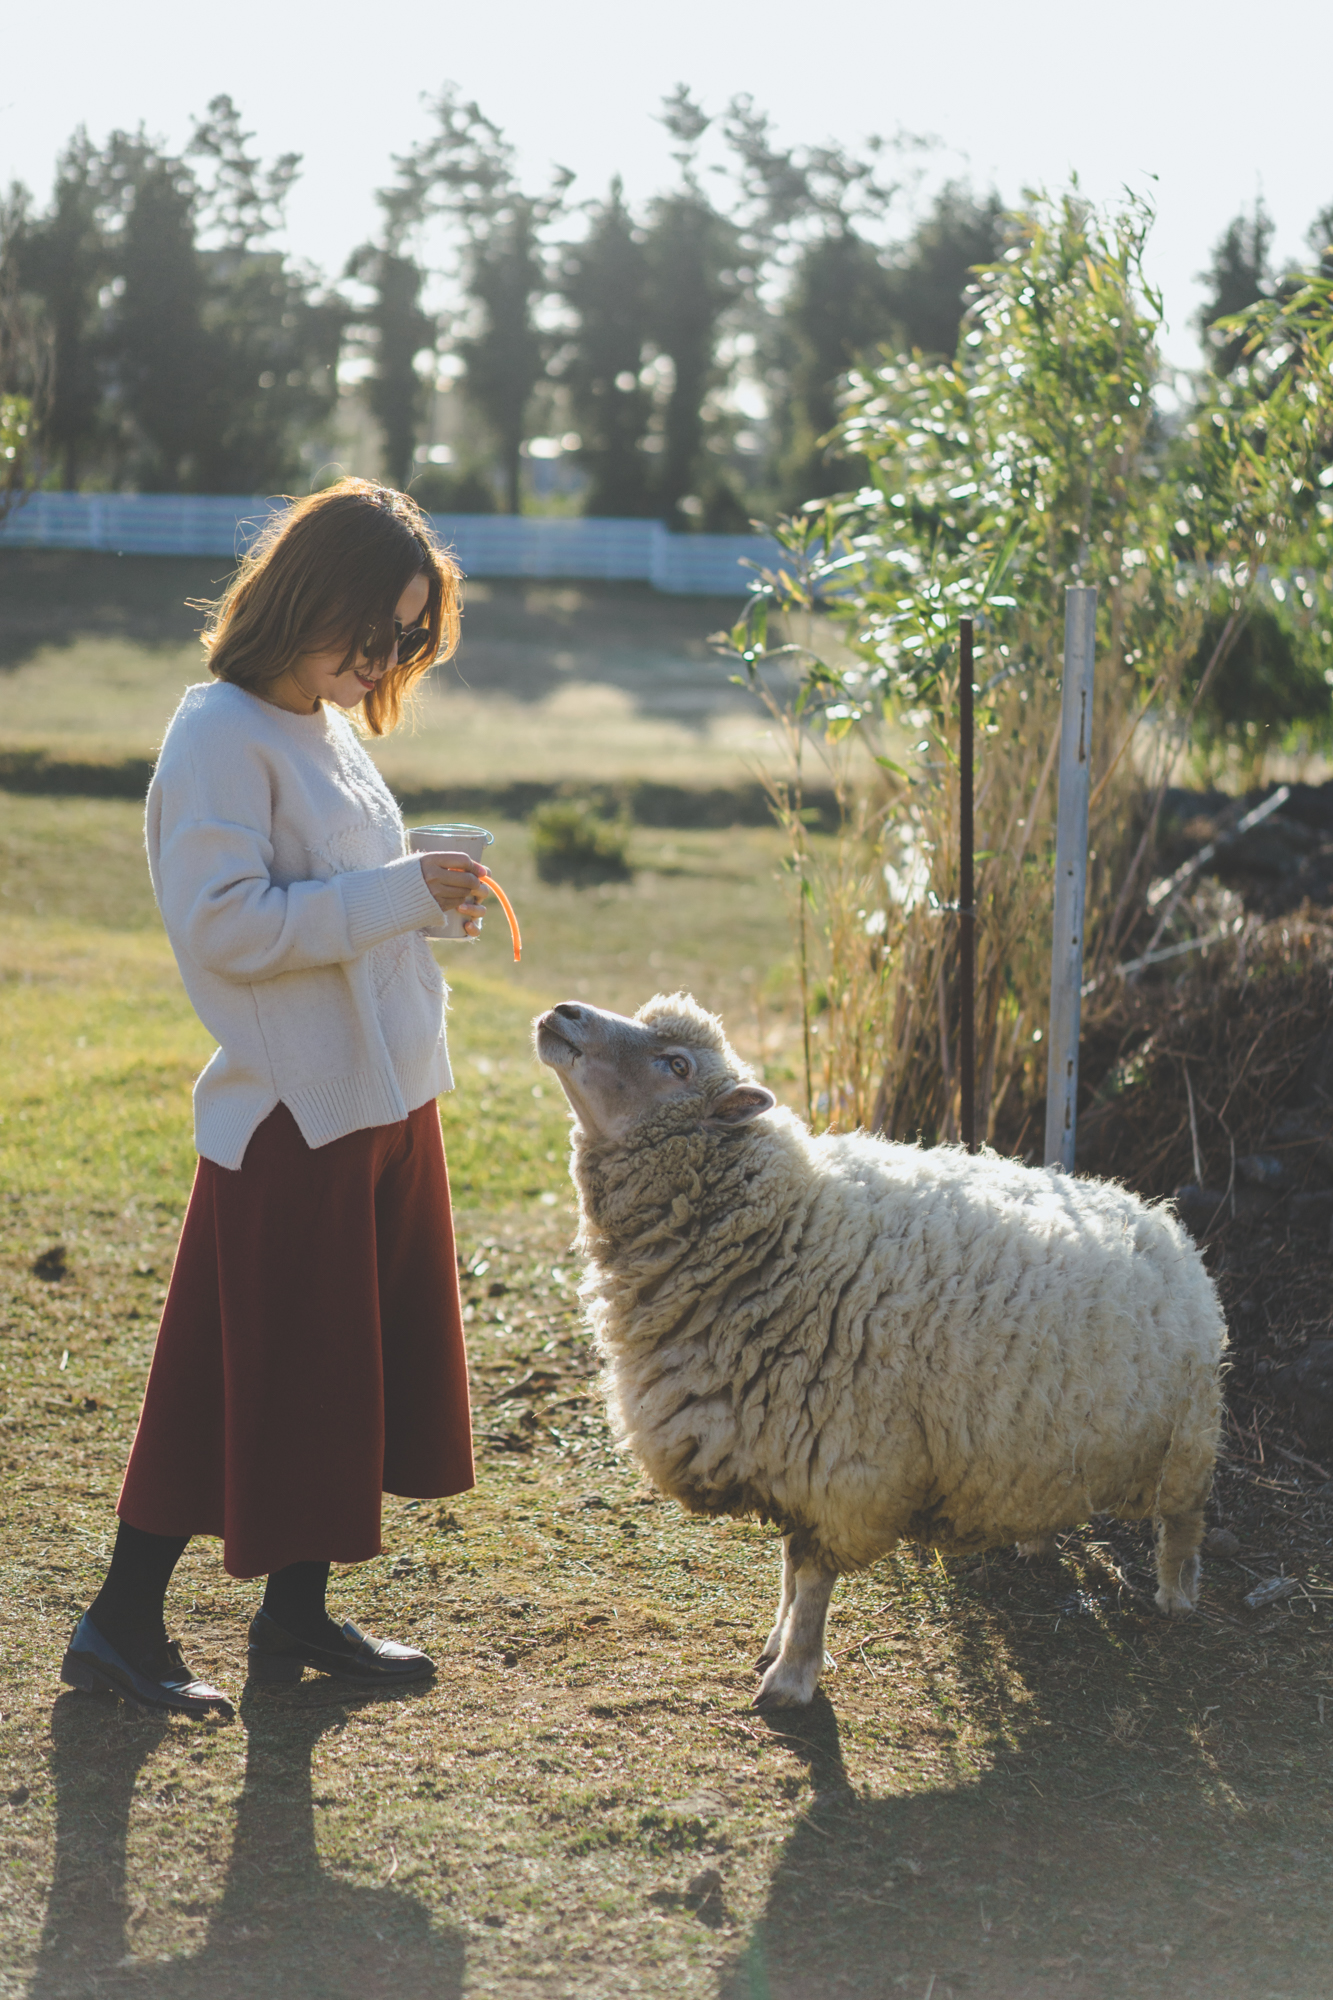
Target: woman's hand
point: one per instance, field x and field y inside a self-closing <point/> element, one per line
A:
<point x="455" y="882"/>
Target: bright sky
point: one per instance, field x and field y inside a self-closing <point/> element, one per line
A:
<point x="1216" y="106"/>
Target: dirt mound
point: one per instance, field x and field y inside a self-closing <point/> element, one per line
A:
<point x="1215" y="1088"/>
<point x="1275" y="866"/>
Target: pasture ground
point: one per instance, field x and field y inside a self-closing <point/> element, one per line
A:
<point x="553" y="681"/>
<point x="1017" y="1781"/>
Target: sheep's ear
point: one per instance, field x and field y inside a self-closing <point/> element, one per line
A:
<point x="739" y="1106"/>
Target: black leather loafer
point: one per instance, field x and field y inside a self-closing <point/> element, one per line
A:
<point x="93" y="1665"/>
<point x="277" y="1656"/>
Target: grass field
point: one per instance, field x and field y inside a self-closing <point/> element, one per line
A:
<point x="552" y="682"/>
<point x="1016" y="1782"/>
<point x="99" y="1046"/>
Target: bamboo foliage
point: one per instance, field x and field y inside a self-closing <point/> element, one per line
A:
<point x="1033" y="461"/>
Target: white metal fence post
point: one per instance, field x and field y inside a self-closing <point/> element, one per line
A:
<point x="1071" y="877"/>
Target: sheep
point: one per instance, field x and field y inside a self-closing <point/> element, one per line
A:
<point x="864" y="1342"/>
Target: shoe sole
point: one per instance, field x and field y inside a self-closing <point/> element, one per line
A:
<point x="285" y="1670"/>
<point x="88" y="1676"/>
<point x="81" y="1674"/>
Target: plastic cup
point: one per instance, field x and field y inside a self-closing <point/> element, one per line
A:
<point x="456" y="838"/>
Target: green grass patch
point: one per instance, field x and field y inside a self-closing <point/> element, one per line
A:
<point x="99" y="1046"/>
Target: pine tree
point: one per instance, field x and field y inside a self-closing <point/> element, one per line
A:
<point x="506" y="356"/>
<point x="1239" y="275"/>
<point x="25" y="365"/>
<point x="399" y="330"/>
<point x="465" y="174"/>
<point x="158" y="350"/>
<point x="63" y="259"/>
<point x="929" y="277"/>
<point x="180" y="365"/>
<point x="604" y="279"/>
<point x="838" y="308"/>
<point x="810" y="211"/>
<point x="273" y="335"/>
<point x="693" y="257"/>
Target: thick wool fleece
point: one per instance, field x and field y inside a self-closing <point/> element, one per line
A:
<point x="867" y="1342"/>
<point x="279" y="864"/>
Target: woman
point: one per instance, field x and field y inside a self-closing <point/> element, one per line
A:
<point x="310" y="1354"/>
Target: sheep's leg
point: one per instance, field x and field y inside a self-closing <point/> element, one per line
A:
<point x="1178" y="1568"/>
<point x="791" y="1680"/>
<point x="773" y="1643"/>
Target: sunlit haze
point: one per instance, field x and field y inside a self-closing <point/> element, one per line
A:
<point x="1019" y="95"/>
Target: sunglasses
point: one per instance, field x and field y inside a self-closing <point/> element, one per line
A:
<point x="412" y="641"/>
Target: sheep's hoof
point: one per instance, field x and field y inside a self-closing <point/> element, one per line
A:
<point x="789" y="1688"/>
<point x="768" y="1704"/>
<point x="1181" y="1597"/>
<point x="764" y="1662"/>
<point x="1040" y="1546"/>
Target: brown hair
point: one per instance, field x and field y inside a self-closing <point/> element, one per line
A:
<point x="329" y="571"/>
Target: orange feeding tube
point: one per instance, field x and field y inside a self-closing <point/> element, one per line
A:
<point x="490" y="883"/>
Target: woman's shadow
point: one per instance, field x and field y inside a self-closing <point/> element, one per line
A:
<point x="283" y="1924"/>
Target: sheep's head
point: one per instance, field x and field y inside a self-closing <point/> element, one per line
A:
<point x="672" y="1058"/>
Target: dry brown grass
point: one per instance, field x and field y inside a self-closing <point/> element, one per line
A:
<point x="1242" y="1021"/>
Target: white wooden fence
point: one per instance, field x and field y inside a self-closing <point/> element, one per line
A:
<point x="213" y="524"/>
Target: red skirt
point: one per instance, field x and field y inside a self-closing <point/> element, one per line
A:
<point x="310" y="1356"/>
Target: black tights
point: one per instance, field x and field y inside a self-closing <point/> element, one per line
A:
<point x="129" y="1608"/>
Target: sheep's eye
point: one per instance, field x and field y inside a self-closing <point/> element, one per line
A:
<point x="679" y="1066"/>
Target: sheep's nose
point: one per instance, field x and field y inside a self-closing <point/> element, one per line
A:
<point x="569" y="1011"/>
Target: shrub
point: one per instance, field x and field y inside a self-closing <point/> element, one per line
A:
<point x="571" y="842"/>
<point x="1270" y="693"/>
<point x="449" y="489"/>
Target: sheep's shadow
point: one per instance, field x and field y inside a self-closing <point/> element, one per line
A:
<point x="1052" y="1868"/>
<point x="282" y="1924"/>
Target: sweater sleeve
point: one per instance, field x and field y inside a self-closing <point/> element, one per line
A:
<point x="209" y="825"/>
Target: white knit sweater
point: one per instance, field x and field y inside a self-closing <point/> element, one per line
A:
<point x="280" y="867"/>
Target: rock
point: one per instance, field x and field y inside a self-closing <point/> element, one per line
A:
<point x="1220" y="1542"/>
<point x="1314" y="1086"/>
<point x="1312" y="1212"/>
<point x="1204" y="1209"/>
<point x="1275" y="847"/>
<point x="1310" y="806"/>
<point x="1264" y="1170"/>
<point x="1270" y="1591"/>
<point x="704" y="1897"/>
<point x="1308" y="1135"/>
<point x="1305" y="1387"/>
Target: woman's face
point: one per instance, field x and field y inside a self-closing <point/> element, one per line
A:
<point x="317" y="677"/>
